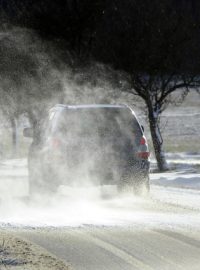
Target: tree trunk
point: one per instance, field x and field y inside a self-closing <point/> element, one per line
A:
<point x="13" y="122"/>
<point x="35" y="126"/>
<point x="36" y="120"/>
<point x="157" y="140"/>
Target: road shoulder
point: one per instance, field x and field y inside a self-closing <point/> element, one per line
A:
<point x="16" y="253"/>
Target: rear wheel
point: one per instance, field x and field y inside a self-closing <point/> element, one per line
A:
<point x="40" y="182"/>
<point x="41" y="178"/>
<point x="36" y="183"/>
<point x="136" y="184"/>
<point x="50" y="179"/>
<point x="142" y="188"/>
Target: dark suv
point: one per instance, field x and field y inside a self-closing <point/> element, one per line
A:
<point x="89" y="144"/>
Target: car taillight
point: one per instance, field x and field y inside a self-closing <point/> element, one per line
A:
<point x="55" y="143"/>
<point x="143" y="141"/>
<point x="143" y="152"/>
<point x="143" y="155"/>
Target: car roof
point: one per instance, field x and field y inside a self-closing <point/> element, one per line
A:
<point x="84" y="106"/>
<point x="62" y="107"/>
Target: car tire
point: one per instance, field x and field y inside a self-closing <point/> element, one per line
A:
<point x="36" y="183"/>
<point x="136" y="184"/>
<point x="41" y="182"/>
<point x="142" y="188"/>
<point x="50" y="179"/>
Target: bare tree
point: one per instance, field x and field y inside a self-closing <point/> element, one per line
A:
<point x="156" y="43"/>
<point x="28" y="78"/>
<point x="156" y="92"/>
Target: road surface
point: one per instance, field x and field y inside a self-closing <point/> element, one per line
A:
<point x="120" y="248"/>
<point x="110" y="233"/>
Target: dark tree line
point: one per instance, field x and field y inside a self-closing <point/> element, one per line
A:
<point x="155" y="42"/>
<point x="72" y="20"/>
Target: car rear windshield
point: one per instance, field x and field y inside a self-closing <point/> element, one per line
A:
<point x="101" y="122"/>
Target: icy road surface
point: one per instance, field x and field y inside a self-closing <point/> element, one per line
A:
<point x="110" y="232"/>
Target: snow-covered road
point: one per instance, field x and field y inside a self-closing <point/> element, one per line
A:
<point x="126" y="232"/>
<point x="175" y="195"/>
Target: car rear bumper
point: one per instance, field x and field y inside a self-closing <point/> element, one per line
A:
<point x="96" y="174"/>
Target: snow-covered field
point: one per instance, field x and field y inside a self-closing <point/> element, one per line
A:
<point x="184" y="172"/>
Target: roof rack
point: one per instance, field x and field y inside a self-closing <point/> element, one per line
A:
<point x="79" y="106"/>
